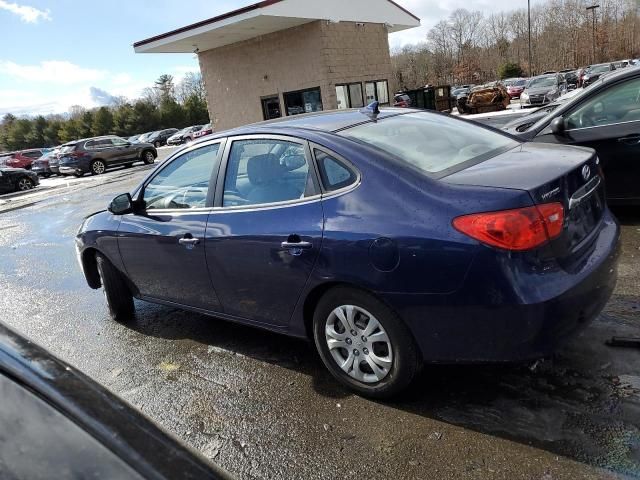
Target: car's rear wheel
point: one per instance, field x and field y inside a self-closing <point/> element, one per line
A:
<point x="364" y="344"/>
<point x="97" y="167"/>
<point x="118" y="295"/>
<point x="148" y="157"/>
<point x="24" y="183"/>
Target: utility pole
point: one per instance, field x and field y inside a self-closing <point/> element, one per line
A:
<point x="593" y="10"/>
<point x="529" y="19"/>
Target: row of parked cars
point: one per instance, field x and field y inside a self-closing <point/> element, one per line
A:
<point x="20" y="171"/>
<point x="545" y="88"/>
<point x="173" y="136"/>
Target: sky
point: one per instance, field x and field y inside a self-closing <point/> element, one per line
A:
<point x="59" y="53"/>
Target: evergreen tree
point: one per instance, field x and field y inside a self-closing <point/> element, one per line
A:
<point x="102" y="122"/>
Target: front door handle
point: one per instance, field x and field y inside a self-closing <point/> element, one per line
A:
<point x="630" y="140"/>
<point x="188" y="241"/>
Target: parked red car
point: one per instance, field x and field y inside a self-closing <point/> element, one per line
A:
<point x="206" y="130"/>
<point x="516" y="87"/>
<point x="402" y="100"/>
<point x="24" y="158"/>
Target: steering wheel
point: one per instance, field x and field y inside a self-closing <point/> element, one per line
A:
<point x="585" y="121"/>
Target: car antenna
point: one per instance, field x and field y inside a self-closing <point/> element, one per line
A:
<point x="372" y="110"/>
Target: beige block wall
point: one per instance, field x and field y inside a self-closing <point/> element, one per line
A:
<point x="317" y="54"/>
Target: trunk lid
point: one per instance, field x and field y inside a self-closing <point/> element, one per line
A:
<point x="549" y="173"/>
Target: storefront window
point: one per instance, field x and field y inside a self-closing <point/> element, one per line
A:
<point x="378" y="90"/>
<point x="349" y="96"/>
<point x="303" y="101"/>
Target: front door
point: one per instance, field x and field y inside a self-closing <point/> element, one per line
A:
<point x="609" y="122"/>
<point x="264" y="237"/>
<point x="163" y="248"/>
<point x="271" y="107"/>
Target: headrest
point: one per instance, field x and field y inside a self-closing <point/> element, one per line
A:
<point x="263" y="169"/>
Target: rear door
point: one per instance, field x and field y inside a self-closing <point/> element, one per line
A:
<point x="163" y="247"/>
<point x="265" y="233"/>
<point x="609" y="122"/>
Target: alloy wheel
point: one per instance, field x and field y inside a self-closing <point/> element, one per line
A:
<point x="25" y="184"/>
<point x="148" y="157"/>
<point x="98" y="167"/>
<point x="359" y="344"/>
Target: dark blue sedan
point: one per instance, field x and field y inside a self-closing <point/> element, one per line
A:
<point x="391" y="239"/>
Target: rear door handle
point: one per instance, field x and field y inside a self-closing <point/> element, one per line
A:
<point x="630" y="140"/>
<point x="296" y="248"/>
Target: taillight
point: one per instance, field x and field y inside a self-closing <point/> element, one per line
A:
<point x="518" y="229"/>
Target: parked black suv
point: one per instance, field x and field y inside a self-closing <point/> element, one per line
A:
<point x="160" y="137"/>
<point x="95" y="155"/>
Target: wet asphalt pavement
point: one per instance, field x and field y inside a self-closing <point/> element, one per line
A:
<point x="262" y="405"/>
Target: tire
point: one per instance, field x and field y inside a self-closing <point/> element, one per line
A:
<point x="398" y="350"/>
<point x="47" y="175"/>
<point x="24" y="184"/>
<point x="118" y="295"/>
<point x="157" y="144"/>
<point x="148" y="157"/>
<point x="97" y="167"/>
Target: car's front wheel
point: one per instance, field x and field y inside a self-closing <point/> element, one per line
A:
<point x="157" y="144"/>
<point x="24" y="183"/>
<point x="364" y="344"/>
<point x="116" y="291"/>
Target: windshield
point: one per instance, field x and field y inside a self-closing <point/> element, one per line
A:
<point x="599" y="69"/>
<point x="519" y="83"/>
<point x="542" y="82"/>
<point x="432" y="143"/>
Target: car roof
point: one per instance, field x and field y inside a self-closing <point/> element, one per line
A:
<point x="331" y="120"/>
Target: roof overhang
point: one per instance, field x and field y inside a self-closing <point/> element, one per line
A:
<point x="271" y="16"/>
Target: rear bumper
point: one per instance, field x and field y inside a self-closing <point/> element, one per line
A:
<point x="505" y="313"/>
<point x="70" y="170"/>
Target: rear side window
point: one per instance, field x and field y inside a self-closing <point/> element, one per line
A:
<point x="334" y="173"/>
<point x="435" y="144"/>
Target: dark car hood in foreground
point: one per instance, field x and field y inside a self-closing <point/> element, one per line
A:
<point x="512" y="126"/>
<point x="526" y="167"/>
<point x="135" y="439"/>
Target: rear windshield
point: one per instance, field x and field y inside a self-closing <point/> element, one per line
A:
<point x="433" y="143"/>
<point x="68" y="148"/>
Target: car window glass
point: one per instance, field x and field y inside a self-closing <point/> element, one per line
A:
<point x="620" y="103"/>
<point x="117" y="141"/>
<point x="263" y="171"/>
<point x="184" y="183"/>
<point x="40" y="442"/>
<point x="432" y="143"/>
<point x="334" y="173"/>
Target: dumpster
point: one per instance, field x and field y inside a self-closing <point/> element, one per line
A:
<point x="431" y="98"/>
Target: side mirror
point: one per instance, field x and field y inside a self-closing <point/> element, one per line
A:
<point x="557" y="126"/>
<point x="121" y="205"/>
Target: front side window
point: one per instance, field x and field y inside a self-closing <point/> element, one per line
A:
<point x="184" y="183"/>
<point x="618" y="104"/>
<point x="261" y="171"/>
<point x="430" y="142"/>
<point x="118" y="142"/>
